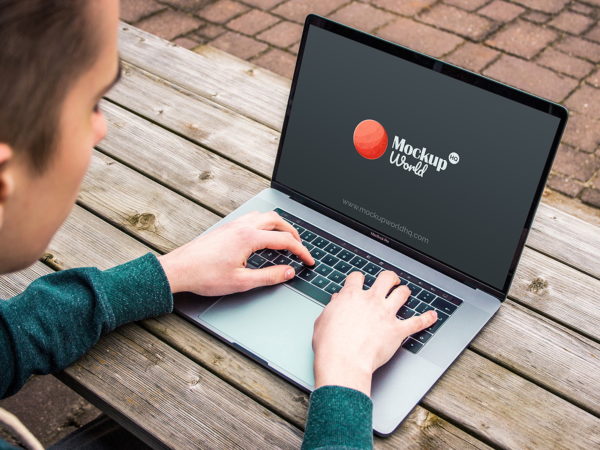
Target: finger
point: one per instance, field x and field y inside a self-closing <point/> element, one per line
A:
<point x="354" y="281"/>
<point x="266" y="276"/>
<point x="282" y="240"/>
<point x="385" y="281"/>
<point x="397" y="298"/>
<point x="273" y="221"/>
<point x="418" y="323"/>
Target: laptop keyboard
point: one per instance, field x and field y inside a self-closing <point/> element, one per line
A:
<point x="335" y="259"/>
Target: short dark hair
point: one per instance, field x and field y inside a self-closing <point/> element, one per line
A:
<point x="45" y="45"/>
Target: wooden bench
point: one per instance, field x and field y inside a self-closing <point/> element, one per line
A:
<point x="191" y="137"/>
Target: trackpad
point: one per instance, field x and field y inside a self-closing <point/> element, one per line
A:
<point x="275" y="323"/>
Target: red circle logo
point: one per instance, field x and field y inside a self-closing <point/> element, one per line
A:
<point x="370" y="139"/>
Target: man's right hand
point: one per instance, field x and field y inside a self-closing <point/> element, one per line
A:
<point x="358" y="331"/>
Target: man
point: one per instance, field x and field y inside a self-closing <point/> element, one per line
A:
<point x="57" y="59"/>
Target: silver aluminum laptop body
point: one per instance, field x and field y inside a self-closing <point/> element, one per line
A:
<point x="274" y="325"/>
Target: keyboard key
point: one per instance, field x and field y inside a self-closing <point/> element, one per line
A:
<point x="426" y="296"/>
<point x="403" y="281"/>
<point x="269" y="254"/>
<point x="323" y="269"/>
<point x="310" y="289"/>
<point x="358" y="262"/>
<point x="256" y="261"/>
<point x="329" y="260"/>
<point x="317" y="253"/>
<point x="423" y="307"/>
<point x="412" y="302"/>
<point x="345" y="255"/>
<point x="343" y="267"/>
<point x="267" y="264"/>
<point x="332" y="248"/>
<point x="412" y="345"/>
<point x="320" y="242"/>
<point x="372" y="269"/>
<point x="308" y="236"/>
<point x="308" y="246"/>
<point x="307" y="274"/>
<point x="436" y="326"/>
<point x="405" y="313"/>
<point x="320" y="281"/>
<point x="337" y="277"/>
<point x="282" y="260"/>
<point x="422" y="336"/>
<point x="333" y="288"/>
<point x="444" y="306"/>
<point x="296" y="265"/>
<point x="298" y="228"/>
<point x="369" y="280"/>
<point x="414" y="289"/>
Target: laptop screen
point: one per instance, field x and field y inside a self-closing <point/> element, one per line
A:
<point x="436" y="163"/>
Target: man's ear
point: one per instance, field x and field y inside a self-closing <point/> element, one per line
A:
<point x="6" y="178"/>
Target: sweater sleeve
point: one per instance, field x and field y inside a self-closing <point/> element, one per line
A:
<point x="339" y="418"/>
<point x="61" y="316"/>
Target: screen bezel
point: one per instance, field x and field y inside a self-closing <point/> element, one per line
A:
<point x="452" y="71"/>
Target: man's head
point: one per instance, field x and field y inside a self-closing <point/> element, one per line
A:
<point x="57" y="59"/>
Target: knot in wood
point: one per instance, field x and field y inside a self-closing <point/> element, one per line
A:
<point x="144" y="221"/>
<point x="537" y="286"/>
<point x="205" y="175"/>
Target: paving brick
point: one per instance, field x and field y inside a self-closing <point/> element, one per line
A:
<point x="420" y="37"/>
<point x="469" y="5"/>
<point x="170" y="24"/>
<point x="501" y="11"/>
<point x="187" y="5"/>
<point x="263" y="4"/>
<point x="294" y="48"/>
<point x="594" y="34"/>
<point x="472" y="56"/>
<point x="591" y="197"/>
<point x="548" y="6"/>
<point x="362" y="16"/>
<point x="531" y="77"/>
<point x="561" y="62"/>
<point x="252" y="22"/>
<point x="581" y="8"/>
<point x="595" y="183"/>
<point x="571" y="22"/>
<point x="579" y="47"/>
<point x="565" y="185"/>
<point x="222" y="11"/>
<point x="536" y="17"/>
<point x="211" y="31"/>
<point x="582" y="132"/>
<point x="134" y="10"/>
<point x="282" y="35"/>
<point x="594" y="79"/>
<point x="522" y="38"/>
<point x="406" y="8"/>
<point x="186" y="42"/>
<point x="458" y="21"/>
<point x="239" y="45"/>
<point x="277" y="61"/>
<point x="586" y="100"/>
<point x="297" y="10"/>
<point x="575" y="164"/>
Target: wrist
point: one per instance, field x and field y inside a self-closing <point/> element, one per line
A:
<point x="346" y="375"/>
<point x="170" y="272"/>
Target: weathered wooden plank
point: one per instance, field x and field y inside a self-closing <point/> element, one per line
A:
<point x="553" y="232"/>
<point x="201" y="120"/>
<point x="565" y="294"/>
<point x="197" y="173"/>
<point x="12" y="284"/>
<point x="132" y="201"/>
<point x="184" y="405"/>
<point x="198" y="74"/>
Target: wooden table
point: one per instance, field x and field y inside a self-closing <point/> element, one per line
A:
<point x="191" y="137"/>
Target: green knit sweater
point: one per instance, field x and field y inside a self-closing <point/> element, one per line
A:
<point x="62" y="315"/>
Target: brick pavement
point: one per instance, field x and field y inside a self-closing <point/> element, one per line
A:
<point x="549" y="47"/>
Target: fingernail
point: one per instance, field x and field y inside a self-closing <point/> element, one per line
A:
<point x="289" y="274"/>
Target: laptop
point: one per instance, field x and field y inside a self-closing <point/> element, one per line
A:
<point x="391" y="160"/>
